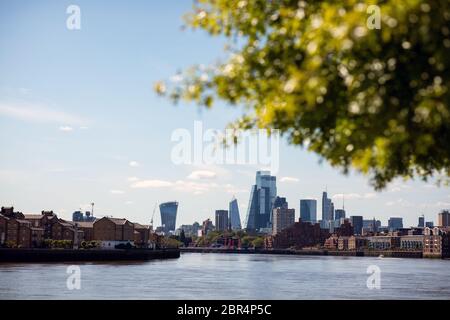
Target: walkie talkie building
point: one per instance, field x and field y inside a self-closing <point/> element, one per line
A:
<point x="168" y="212"/>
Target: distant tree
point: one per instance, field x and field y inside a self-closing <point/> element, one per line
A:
<point x="168" y="242"/>
<point x="377" y="100"/>
<point x="258" y="243"/>
<point x="182" y="237"/>
<point x="246" y="241"/>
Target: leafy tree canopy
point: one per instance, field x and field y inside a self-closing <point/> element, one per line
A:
<point x="376" y="100"/>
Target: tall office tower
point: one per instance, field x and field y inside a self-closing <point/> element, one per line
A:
<point x="327" y="208"/>
<point x="168" y="212"/>
<point x="262" y="198"/>
<point x="221" y="220"/>
<point x="372" y="225"/>
<point x="235" y="218"/>
<point x="421" y="223"/>
<point x="357" y="223"/>
<point x="395" y="223"/>
<point x="280" y="202"/>
<point x="282" y="218"/>
<point x="429" y="224"/>
<point x="339" y="213"/>
<point x="444" y="218"/>
<point x="308" y="210"/>
<point x="207" y="226"/>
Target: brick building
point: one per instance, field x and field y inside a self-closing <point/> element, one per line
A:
<point x="142" y="234"/>
<point x="282" y="219"/>
<point x="331" y="242"/>
<point x="45" y="220"/>
<point x="3" y="228"/>
<point x="87" y="228"/>
<point x="436" y="242"/>
<point x="113" y="231"/>
<point x="345" y="230"/>
<point x="18" y="233"/>
<point x="411" y="242"/>
<point x="357" y="243"/>
<point x="10" y="213"/>
<point x="384" y="242"/>
<point x="300" y="234"/>
<point x="343" y="243"/>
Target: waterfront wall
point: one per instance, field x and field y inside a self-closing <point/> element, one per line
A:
<point x="319" y="252"/>
<point x="63" y="255"/>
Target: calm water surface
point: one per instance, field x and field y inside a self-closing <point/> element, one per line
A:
<point x="232" y="276"/>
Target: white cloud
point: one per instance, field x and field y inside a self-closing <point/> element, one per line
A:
<point x="66" y="128"/>
<point x="38" y="113"/>
<point x="129" y="202"/>
<point x="195" y="187"/>
<point x="397" y="187"/>
<point x="202" y="174"/>
<point x="84" y="128"/>
<point x="117" y="191"/>
<point x="233" y="189"/>
<point x="151" y="184"/>
<point x="399" y="202"/>
<point x="439" y="204"/>
<point x="353" y="196"/>
<point x="134" y="164"/>
<point x="289" y="179"/>
<point x="133" y="179"/>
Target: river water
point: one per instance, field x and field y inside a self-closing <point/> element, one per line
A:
<point x="231" y="276"/>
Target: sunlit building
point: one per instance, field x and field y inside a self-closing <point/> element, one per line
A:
<point x="308" y="210"/>
<point x="235" y="218"/>
<point x="262" y="198"/>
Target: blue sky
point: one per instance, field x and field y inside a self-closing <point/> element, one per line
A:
<point x="79" y="121"/>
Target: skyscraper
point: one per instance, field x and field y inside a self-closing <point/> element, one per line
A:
<point x="282" y="218"/>
<point x="308" y="210"/>
<point x="395" y="223"/>
<point x="168" y="212"/>
<point x="444" y="218"/>
<point x="235" y="218"/>
<point x="357" y="223"/>
<point x="262" y="198"/>
<point x="221" y="220"/>
<point x="280" y="202"/>
<point x="421" y="223"/>
<point x="327" y="208"/>
<point x="339" y="213"/>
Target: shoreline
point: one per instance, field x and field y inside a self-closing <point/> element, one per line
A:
<point x="319" y="252"/>
<point x="69" y="255"/>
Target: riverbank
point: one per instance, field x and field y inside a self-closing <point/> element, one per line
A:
<point x="68" y="255"/>
<point x="318" y="252"/>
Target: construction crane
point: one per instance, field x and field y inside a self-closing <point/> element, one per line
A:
<point x="153" y="215"/>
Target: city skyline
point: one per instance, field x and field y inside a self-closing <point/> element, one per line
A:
<point x="87" y="127"/>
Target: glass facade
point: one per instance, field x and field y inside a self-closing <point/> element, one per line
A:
<point x="308" y="210"/>
<point x="235" y="218"/>
<point x="327" y="208"/>
<point x="262" y="198"/>
<point x="168" y="212"/>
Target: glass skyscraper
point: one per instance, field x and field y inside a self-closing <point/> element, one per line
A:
<point x="168" y="212"/>
<point x="221" y="220"/>
<point x="339" y="214"/>
<point x="262" y="198"/>
<point x="357" y="223"/>
<point x="308" y="210"/>
<point x="235" y="218"/>
<point x="327" y="208"/>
